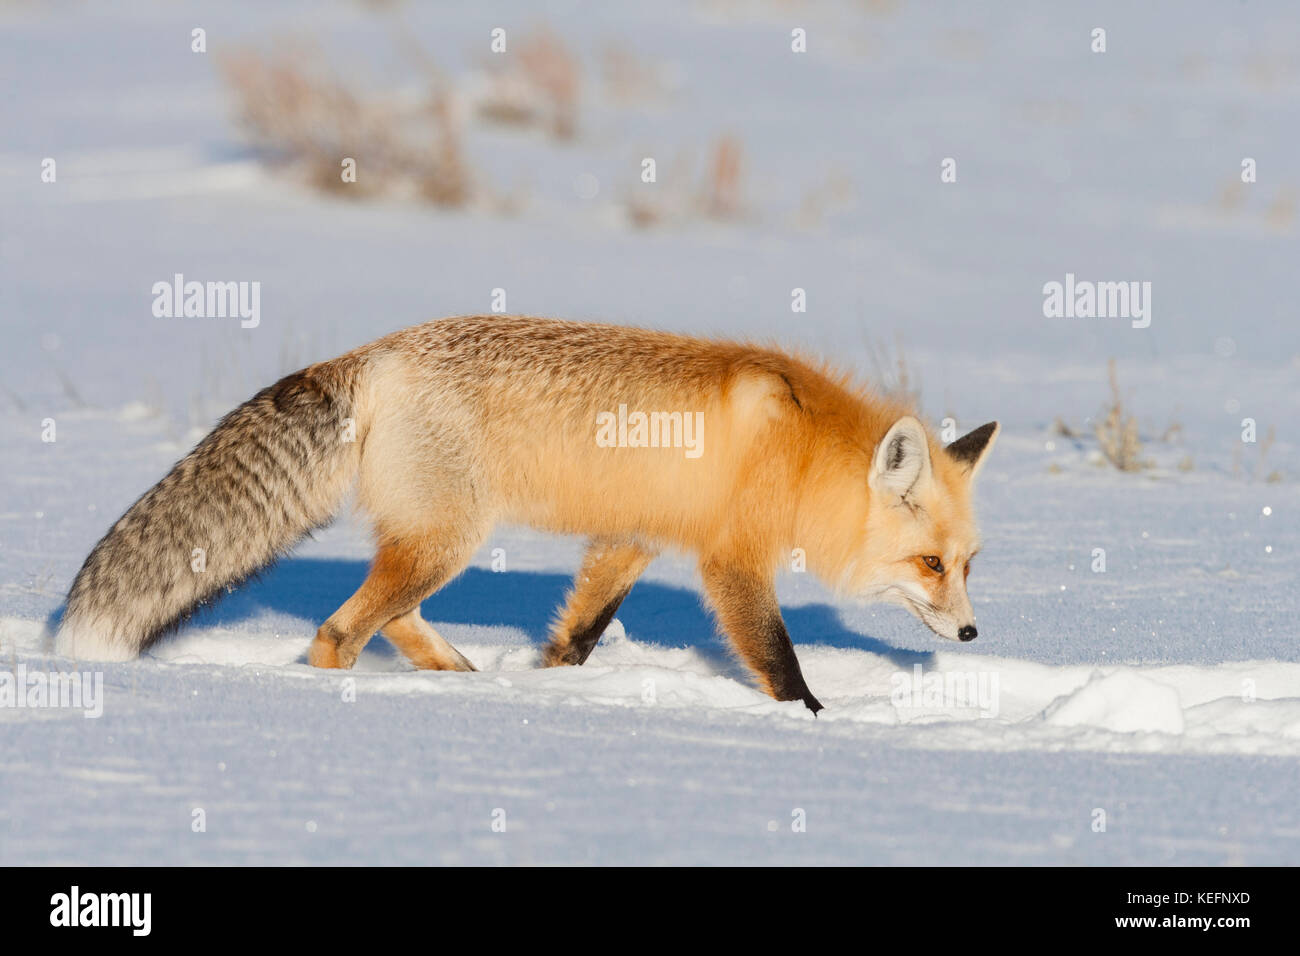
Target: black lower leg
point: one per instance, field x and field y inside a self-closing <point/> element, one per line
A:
<point x="584" y="639"/>
<point x="782" y="668"/>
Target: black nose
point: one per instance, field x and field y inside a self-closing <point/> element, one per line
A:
<point x="968" y="633"/>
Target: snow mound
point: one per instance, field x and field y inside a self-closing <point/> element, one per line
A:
<point x="1123" y="702"/>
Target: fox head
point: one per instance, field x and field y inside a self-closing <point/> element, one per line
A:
<point x="921" y="534"/>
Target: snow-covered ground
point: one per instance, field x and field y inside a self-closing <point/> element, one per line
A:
<point x="1161" y="695"/>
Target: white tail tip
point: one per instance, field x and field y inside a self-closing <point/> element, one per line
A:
<point x="89" y="644"/>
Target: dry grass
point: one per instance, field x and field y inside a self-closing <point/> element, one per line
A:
<point x="1117" y="431"/>
<point x="643" y="210"/>
<point x="551" y="67"/>
<point x="833" y="194"/>
<point x="1232" y="196"/>
<point x="892" y="374"/>
<point x="1260" y="469"/>
<point x="1060" y="427"/>
<point x="302" y="116"/>
<point x="720" y="196"/>
<point x="1281" y="212"/>
<point x="539" y="85"/>
<point x="717" y="194"/>
<point x="298" y="114"/>
<point x="629" y="79"/>
<point x="444" y="179"/>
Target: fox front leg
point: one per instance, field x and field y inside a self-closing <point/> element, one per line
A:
<point x="748" y="613"/>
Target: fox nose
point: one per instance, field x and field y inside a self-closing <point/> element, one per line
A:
<point x="967" y="633"/>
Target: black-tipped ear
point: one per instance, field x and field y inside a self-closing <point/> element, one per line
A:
<point x="971" y="449"/>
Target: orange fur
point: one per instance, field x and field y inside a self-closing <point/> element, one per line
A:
<point x="489" y="419"/>
<point x="452" y="427"/>
<point x="422" y="645"/>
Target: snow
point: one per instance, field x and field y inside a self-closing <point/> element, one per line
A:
<point x="1124" y="702"/>
<point x="1164" y="690"/>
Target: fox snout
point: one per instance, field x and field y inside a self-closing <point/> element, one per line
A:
<point x="948" y="624"/>
<point x="949" y="629"/>
<point x="952" y="624"/>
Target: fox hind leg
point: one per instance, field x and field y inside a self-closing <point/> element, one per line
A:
<point x="423" y="646"/>
<point x="609" y="569"/>
<point x="403" y="574"/>
<point x="747" y="610"/>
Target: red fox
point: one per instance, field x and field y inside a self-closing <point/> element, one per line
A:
<point x="448" y="428"/>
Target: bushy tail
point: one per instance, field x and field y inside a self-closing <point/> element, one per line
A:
<point x="274" y="469"/>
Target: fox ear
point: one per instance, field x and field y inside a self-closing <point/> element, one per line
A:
<point x="902" y="461"/>
<point x="973" y="448"/>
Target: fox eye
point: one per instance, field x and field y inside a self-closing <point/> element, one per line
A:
<point x="934" y="564"/>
